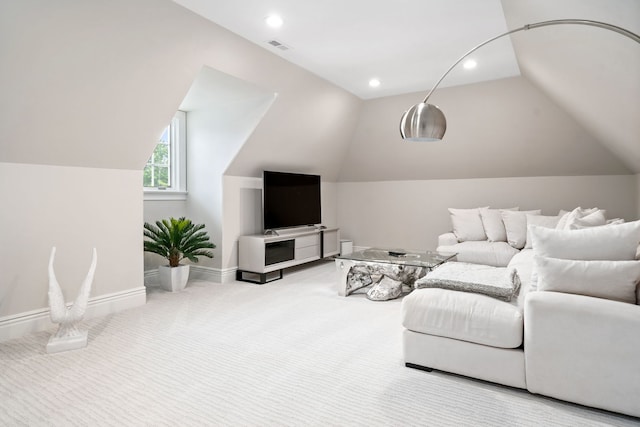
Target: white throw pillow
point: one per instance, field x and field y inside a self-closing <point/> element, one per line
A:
<point x="467" y="224"/>
<point x="614" y="280"/>
<point x="612" y="242"/>
<point x="493" y="224"/>
<point x="542" y="221"/>
<point x="515" y="223"/>
<point x="594" y="219"/>
<point x="570" y="217"/>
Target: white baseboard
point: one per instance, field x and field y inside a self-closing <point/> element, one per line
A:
<point x="18" y="325"/>
<point x="360" y="248"/>
<point x="216" y="275"/>
<point x="209" y="274"/>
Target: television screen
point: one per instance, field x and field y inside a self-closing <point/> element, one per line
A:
<point x="290" y="200"/>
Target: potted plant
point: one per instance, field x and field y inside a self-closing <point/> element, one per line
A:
<point x="176" y="239"/>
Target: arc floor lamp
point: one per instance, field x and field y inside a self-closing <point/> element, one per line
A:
<point x="426" y="122"/>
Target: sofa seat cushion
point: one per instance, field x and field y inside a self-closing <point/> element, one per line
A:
<point x="496" y="254"/>
<point x="464" y="316"/>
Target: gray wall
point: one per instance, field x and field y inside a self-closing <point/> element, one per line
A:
<point x="501" y="128"/>
<point x="74" y="209"/>
<point x="92" y="84"/>
<point x="411" y="214"/>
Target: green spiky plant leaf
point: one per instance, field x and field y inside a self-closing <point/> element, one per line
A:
<point x="176" y="239"/>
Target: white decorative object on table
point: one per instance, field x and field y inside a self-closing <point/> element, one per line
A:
<point x="68" y="336"/>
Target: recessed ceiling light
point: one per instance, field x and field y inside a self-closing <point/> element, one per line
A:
<point x="374" y="82"/>
<point x="469" y="64"/>
<point x="274" y="21"/>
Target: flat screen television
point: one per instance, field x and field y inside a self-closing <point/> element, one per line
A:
<point x="290" y="200"/>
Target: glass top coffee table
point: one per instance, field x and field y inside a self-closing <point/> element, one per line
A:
<point x="387" y="271"/>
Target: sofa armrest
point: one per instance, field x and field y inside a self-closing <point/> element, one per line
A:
<point x="447" y="239"/>
<point x="583" y="350"/>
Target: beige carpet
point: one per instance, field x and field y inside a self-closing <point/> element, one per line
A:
<point x="290" y="352"/>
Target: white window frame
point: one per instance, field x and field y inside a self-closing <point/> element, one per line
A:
<point x="177" y="163"/>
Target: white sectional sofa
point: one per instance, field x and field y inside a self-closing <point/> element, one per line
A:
<point x="550" y="340"/>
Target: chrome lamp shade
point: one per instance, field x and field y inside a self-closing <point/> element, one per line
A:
<point x="423" y="122"/>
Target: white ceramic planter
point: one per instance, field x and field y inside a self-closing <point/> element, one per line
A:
<point x="173" y="279"/>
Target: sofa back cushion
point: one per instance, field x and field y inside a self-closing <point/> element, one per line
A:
<point x="515" y="223"/>
<point x="467" y="224"/>
<point x="497" y="254"/>
<point x="542" y="221"/>
<point x="614" y="280"/>
<point x="611" y="242"/>
<point x="493" y="224"/>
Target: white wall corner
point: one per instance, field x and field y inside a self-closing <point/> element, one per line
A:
<point x="18" y="325"/>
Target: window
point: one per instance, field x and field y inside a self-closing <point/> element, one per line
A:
<point x="164" y="175"/>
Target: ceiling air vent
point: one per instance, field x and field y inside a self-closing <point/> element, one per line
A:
<point x="276" y="43"/>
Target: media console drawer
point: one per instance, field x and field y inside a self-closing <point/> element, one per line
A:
<point x="304" y="241"/>
<point x="308" y="252"/>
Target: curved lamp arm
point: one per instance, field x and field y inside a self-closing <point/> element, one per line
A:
<point x="426" y="122"/>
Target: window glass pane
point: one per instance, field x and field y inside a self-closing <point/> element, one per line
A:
<point x="161" y="176"/>
<point x="166" y="167"/>
<point x="157" y="171"/>
<point x="161" y="154"/>
<point x="148" y="176"/>
<point x="156" y="176"/>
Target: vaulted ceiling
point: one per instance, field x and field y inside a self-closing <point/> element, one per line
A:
<point x="590" y="73"/>
<point x="405" y="44"/>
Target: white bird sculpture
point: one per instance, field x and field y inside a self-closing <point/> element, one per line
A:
<point x="68" y="336"/>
